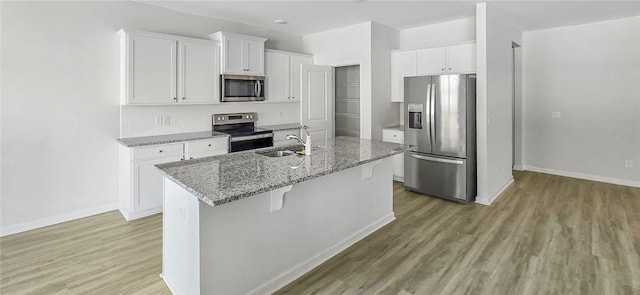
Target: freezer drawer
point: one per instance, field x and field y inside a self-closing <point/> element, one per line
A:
<point x="436" y="176"/>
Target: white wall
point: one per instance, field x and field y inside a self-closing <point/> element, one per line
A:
<point x="494" y="100"/>
<point x="350" y="45"/>
<point x="440" y="34"/>
<point x="384" y="112"/>
<point x="591" y="75"/>
<point x="60" y="96"/>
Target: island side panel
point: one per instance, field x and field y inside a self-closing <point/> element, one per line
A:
<point x="247" y="249"/>
<point x="180" y="240"/>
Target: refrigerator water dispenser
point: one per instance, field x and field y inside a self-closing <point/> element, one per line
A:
<point x="415" y="116"/>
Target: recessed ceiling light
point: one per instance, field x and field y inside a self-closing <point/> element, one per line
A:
<point x="280" y="21"/>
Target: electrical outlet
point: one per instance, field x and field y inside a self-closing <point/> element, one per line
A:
<point x="556" y="115"/>
<point x="628" y="164"/>
<point x="158" y="121"/>
<point x="279" y="114"/>
<point x="166" y="120"/>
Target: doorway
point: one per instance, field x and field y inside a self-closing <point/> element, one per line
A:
<point x="347" y="101"/>
<point x="516" y="104"/>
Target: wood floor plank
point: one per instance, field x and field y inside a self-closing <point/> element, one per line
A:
<point x="545" y="235"/>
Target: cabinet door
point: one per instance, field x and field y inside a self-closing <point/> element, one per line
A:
<point x="233" y="56"/>
<point x="431" y="61"/>
<point x="254" y="54"/>
<point x="295" y="75"/>
<point x="277" y="76"/>
<point x="148" y="188"/>
<point x="151" y="70"/>
<point x="403" y="64"/>
<point x="461" y="58"/>
<point x="199" y="73"/>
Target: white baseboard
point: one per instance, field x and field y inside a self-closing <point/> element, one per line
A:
<point x="518" y="167"/>
<point x="131" y="216"/>
<point x="584" y="176"/>
<point x="22" y="227"/>
<point x="400" y="179"/>
<point x="297" y="271"/>
<point x="488" y="200"/>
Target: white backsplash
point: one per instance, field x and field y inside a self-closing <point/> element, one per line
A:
<point x="141" y="120"/>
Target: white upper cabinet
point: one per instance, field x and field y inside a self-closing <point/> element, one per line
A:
<point x="150" y="69"/>
<point x="233" y="62"/>
<point x="403" y="64"/>
<point x="283" y="78"/>
<point x="461" y="58"/>
<point x="160" y="69"/>
<point x="431" y="61"/>
<point x="199" y="72"/>
<point x="458" y="59"/>
<point x="241" y="54"/>
<point x="296" y="75"/>
<point x="277" y="76"/>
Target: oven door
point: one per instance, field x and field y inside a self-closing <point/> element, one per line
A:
<point x="242" y="88"/>
<point x="243" y="143"/>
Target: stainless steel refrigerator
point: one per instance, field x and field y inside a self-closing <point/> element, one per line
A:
<point x="440" y="136"/>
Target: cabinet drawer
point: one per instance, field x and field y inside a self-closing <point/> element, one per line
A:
<point x="282" y="134"/>
<point x="206" y="154"/>
<point x="395" y="136"/>
<point x="208" y="145"/>
<point x="157" y="151"/>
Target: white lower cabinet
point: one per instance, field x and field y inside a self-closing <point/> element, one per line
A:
<point x="147" y="183"/>
<point x="141" y="183"/>
<point x="395" y="136"/>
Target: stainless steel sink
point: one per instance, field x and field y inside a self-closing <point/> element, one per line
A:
<point x="277" y="154"/>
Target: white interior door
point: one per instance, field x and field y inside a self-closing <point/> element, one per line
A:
<point x="316" y="103"/>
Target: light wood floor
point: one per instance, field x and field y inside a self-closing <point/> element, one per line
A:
<point x="546" y="235"/>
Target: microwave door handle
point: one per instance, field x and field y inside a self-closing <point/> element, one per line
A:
<point x="255" y="89"/>
<point x="259" y="89"/>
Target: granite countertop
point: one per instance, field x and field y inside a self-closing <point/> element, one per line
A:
<point x="169" y="138"/>
<point x="226" y="178"/>
<point x="289" y="126"/>
<point x="395" y="127"/>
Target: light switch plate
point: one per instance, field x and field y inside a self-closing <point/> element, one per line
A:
<point x="556" y="115"/>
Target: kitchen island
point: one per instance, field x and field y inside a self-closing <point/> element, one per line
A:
<point x="245" y="223"/>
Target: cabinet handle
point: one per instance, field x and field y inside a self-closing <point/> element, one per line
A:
<point x="184" y="98"/>
<point x="443" y="69"/>
<point x="190" y="158"/>
<point x="449" y="69"/>
<point x="175" y="98"/>
<point x="209" y="144"/>
<point x="181" y="159"/>
<point x="160" y="151"/>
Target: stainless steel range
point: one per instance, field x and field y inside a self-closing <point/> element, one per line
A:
<point x="243" y="133"/>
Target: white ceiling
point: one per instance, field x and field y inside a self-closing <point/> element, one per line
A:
<point x="306" y="17"/>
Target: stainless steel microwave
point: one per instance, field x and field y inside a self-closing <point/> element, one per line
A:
<point x="242" y="88"/>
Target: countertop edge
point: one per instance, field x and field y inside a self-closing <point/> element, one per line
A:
<point x="209" y="202"/>
<point x="166" y="141"/>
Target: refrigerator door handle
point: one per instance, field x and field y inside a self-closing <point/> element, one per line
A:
<point x="432" y="114"/>
<point x="428" y="112"/>
<point x="439" y="160"/>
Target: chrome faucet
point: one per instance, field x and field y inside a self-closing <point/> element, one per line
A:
<point x="307" y="144"/>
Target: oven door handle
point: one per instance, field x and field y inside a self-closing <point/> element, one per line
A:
<point x="250" y="137"/>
